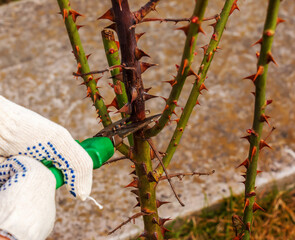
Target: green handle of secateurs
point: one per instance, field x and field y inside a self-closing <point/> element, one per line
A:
<point x="100" y="149"/>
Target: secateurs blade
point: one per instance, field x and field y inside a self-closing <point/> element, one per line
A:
<point x="124" y="127"/>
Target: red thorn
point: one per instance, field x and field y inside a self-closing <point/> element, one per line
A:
<point x="247" y="137"/>
<point x="257" y="54"/>
<point x="184" y="29"/>
<point x="257" y="207"/>
<point x="138" y="36"/>
<point x="163" y="220"/>
<point x="198" y="103"/>
<point x="120" y="4"/>
<point x="253" y="152"/>
<point x="87" y="56"/>
<point x="175" y="102"/>
<point x="201" y="30"/>
<point x="258" y="171"/>
<point x="257" y="42"/>
<point x="125" y="109"/>
<point x="146" y="90"/>
<point x="246" y="203"/>
<point x="251" y="131"/>
<point x="171" y="82"/>
<point x="268" y="102"/>
<point x="75" y="14"/>
<point x="245" y="164"/>
<point x="259" y="72"/>
<point x="160" y="203"/>
<point x="133" y="93"/>
<point x="79" y="26"/>
<point x="215" y="37"/>
<point x="263" y="144"/>
<point x="113" y="26"/>
<point x="108" y="15"/>
<point x="77" y="49"/>
<point x="98" y="96"/>
<point x="118" y="44"/>
<point x="251" y="194"/>
<point x="185" y="63"/>
<point x="205" y="47"/>
<point x="270" y="58"/>
<point x="209" y="56"/>
<point x="202" y="87"/>
<point x="134" y="183"/>
<point x="280" y="20"/>
<point x="97" y="79"/>
<point x="144" y="66"/>
<point x="248" y="226"/>
<point x="251" y="77"/>
<point x="140" y="53"/>
<point x="264" y="118"/>
<point x="147" y="96"/>
<point x="234" y="7"/>
<point x="65" y="14"/>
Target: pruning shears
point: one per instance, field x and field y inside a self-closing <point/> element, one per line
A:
<point x="101" y="147"/>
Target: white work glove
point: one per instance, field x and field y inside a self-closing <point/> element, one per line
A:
<point x="25" y="136"/>
<point x="27" y="199"/>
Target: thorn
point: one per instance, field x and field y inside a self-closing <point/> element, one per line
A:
<point x="139" y="54"/>
<point x="75" y="14"/>
<point x="144" y="66"/>
<point x="134" y="183"/>
<point x="118" y="44"/>
<point x="113" y="26"/>
<point x="146" y="90"/>
<point x="185" y="63"/>
<point x="234" y="7"/>
<point x="114" y="103"/>
<point x="253" y="152"/>
<point x="280" y="20"/>
<point x="108" y="15"/>
<point x="125" y="109"/>
<point x="247" y="137"/>
<point x="258" y="171"/>
<point x="245" y="164"/>
<point x="251" y="131"/>
<point x="164" y="230"/>
<point x="120" y="4"/>
<point x="201" y="30"/>
<point x="258" y="42"/>
<point x="138" y="36"/>
<point x="77" y="49"/>
<point x="209" y="56"/>
<point x="215" y="37"/>
<point x="263" y="144"/>
<point x="268" y="102"/>
<point x="259" y="72"/>
<point x="251" y="194"/>
<point x="160" y="203"/>
<point x="184" y="29"/>
<point x="257" y="54"/>
<point x="246" y="203"/>
<point x="202" y="87"/>
<point x="264" y="118"/>
<point x="270" y="58"/>
<point x="147" y="96"/>
<point x="98" y="96"/>
<point x="205" y="47"/>
<point x="65" y="13"/>
<point x="171" y="82"/>
<point x="79" y="26"/>
<point x="133" y="172"/>
<point x="257" y="207"/>
<point x="163" y="220"/>
<point x="133" y="94"/>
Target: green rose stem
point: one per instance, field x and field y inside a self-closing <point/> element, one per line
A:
<point x="198" y="85"/>
<point x="256" y="142"/>
<point x="70" y="16"/>
<point x="112" y="54"/>
<point x="191" y="31"/>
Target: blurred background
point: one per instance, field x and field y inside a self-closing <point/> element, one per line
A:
<point x="36" y="66"/>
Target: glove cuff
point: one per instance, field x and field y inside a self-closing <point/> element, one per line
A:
<point x="7" y="235"/>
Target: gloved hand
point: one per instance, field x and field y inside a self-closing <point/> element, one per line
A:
<point x="27" y="188"/>
<point x="27" y="199"/>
